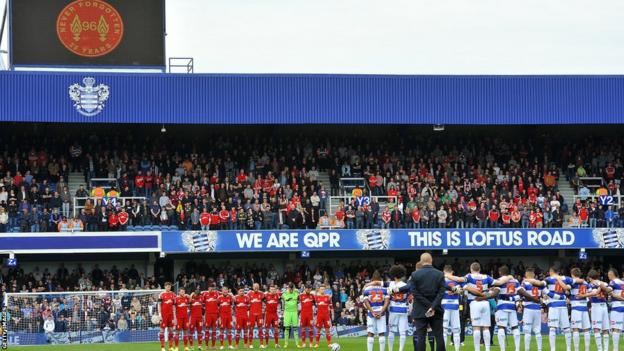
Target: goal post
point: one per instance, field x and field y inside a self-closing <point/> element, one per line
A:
<point x="81" y="317"/>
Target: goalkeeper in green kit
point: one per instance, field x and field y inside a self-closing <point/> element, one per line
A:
<point x="291" y="315"/>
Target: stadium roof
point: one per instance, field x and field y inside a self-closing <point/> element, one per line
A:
<point x="311" y="99"/>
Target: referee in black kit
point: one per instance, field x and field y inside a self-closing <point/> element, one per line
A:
<point x="427" y="286"/>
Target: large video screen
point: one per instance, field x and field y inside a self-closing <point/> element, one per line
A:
<point x="87" y="33"/>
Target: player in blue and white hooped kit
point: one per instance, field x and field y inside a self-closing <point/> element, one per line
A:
<point x="478" y="290"/>
<point x="506" y="315"/>
<point x="532" y="316"/>
<point x="376" y="302"/>
<point x="599" y="311"/>
<point x="579" y="318"/>
<point x="450" y="303"/>
<point x="617" y="306"/>
<point x="558" y="318"/>
<point x="399" y="307"/>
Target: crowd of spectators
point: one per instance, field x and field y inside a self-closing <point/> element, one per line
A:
<point x="263" y="183"/>
<point x="128" y="311"/>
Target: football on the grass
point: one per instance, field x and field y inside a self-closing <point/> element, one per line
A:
<point x="334" y="347"/>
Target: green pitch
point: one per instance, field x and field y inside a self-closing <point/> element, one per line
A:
<point x="347" y="344"/>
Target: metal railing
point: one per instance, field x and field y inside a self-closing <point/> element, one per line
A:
<point x="104" y="183"/>
<point x="79" y="202"/>
<point x="181" y="65"/>
<point x="592" y="182"/>
<point x="348" y="184"/>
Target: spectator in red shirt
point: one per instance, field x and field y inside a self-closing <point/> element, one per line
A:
<point x="139" y="184"/>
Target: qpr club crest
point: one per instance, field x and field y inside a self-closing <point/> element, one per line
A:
<point x="89" y="99"/>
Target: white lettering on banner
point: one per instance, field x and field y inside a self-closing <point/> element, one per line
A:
<point x="318" y="240"/>
<point x="283" y="240"/>
<point x="554" y="238"/>
<point x="425" y="238"/>
<point x="453" y="238"/>
<point x="496" y="238"/>
<point x="249" y="240"/>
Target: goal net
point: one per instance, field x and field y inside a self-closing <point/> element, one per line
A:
<point x="81" y="317"/>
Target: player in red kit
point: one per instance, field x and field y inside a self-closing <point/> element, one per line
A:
<point x="195" y="323"/>
<point x="271" y="319"/>
<point x="324" y="314"/>
<point x="166" y="311"/>
<point x="306" y="301"/>
<point x="256" y="298"/>
<point x="225" y="302"/>
<point x="241" y="313"/>
<point x="182" y="303"/>
<point x="211" y="304"/>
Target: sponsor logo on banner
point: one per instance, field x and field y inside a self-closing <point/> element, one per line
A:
<point x="89" y="28"/>
<point x="611" y="238"/>
<point x="89" y="99"/>
<point x="200" y="241"/>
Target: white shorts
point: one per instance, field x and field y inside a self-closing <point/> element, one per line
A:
<point x="451" y="321"/>
<point x="558" y="318"/>
<point x="600" y="316"/>
<point x="398" y="322"/>
<point x="480" y="313"/>
<point x="580" y="320"/>
<point x="532" y="320"/>
<point x="617" y="320"/>
<point x="376" y="326"/>
<point x="506" y="318"/>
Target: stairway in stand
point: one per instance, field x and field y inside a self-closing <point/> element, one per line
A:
<point x="76" y="179"/>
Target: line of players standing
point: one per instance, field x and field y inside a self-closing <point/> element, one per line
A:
<point x="587" y="298"/>
<point x="239" y="314"/>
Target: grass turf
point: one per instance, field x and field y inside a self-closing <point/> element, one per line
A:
<point x="347" y="344"/>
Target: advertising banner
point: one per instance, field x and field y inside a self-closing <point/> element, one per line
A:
<point x="390" y="239"/>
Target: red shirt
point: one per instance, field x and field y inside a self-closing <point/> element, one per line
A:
<point x="197" y="306"/>
<point x="233" y="215"/>
<point x="211" y="301"/>
<point x="385" y="216"/>
<point x="167" y="301"/>
<point x="214" y="218"/>
<point x="272" y="302"/>
<point x="583" y="214"/>
<point x="323" y="304"/>
<point x="242" y="306"/>
<point x="223" y="215"/>
<point x="339" y="214"/>
<point x="182" y="305"/>
<point x="415" y="215"/>
<point x="204" y="218"/>
<point x="372" y="181"/>
<point x="123" y="217"/>
<point x="113" y="221"/>
<point x="139" y="181"/>
<point x="532" y="219"/>
<point x="149" y="181"/>
<point x="225" y="305"/>
<point x="493" y="215"/>
<point x="255" y="300"/>
<point x="307" y="304"/>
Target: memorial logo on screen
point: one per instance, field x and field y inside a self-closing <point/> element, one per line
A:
<point x="89" y="28"/>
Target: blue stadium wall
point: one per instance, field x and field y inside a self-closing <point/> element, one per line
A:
<point x="318" y="99"/>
